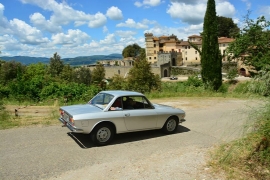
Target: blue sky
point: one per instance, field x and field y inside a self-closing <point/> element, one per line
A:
<point x="72" y="28"/>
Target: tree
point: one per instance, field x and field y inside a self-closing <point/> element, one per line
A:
<point x="226" y="27"/>
<point x="98" y="74"/>
<point x="131" y="51"/>
<point x="56" y="65"/>
<point x="140" y="77"/>
<point x="118" y="82"/>
<point x="9" y="71"/>
<point x="82" y="75"/>
<point x="211" y="59"/>
<point x="252" y="46"/>
<point x="67" y="73"/>
<point x="35" y="78"/>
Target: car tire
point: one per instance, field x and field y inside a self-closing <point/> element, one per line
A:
<point x="170" y="125"/>
<point x="102" y="134"/>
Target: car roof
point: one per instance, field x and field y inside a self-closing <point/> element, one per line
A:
<point x="122" y="93"/>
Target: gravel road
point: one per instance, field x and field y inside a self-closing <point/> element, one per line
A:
<point x="54" y="153"/>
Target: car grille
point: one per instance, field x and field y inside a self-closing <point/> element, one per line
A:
<point x="66" y="117"/>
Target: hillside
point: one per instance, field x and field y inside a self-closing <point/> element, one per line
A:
<point x="77" y="61"/>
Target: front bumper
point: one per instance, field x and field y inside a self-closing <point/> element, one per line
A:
<point x="70" y="127"/>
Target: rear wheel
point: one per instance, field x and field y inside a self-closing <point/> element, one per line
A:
<point x="102" y="134"/>
<point x="170" y="125"/>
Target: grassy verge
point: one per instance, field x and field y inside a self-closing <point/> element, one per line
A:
<point x="193" y="87"/>
<point x="249" y="157"/>
<point x="28" y="115"/>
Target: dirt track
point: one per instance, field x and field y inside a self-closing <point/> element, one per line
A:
<point x="53" y="153"/>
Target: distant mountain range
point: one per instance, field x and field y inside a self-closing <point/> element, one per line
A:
<point x="77" y="61"/>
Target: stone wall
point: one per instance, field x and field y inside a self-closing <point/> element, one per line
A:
<point x="110" y="71"/>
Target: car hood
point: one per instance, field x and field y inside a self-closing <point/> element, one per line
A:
<point x="80" y="109"/>
<point x="165" y="109"/>
<point x="162" y="106"/>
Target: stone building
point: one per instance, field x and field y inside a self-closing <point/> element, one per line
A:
<point x="168" y="51"/>
<point x="129" y="61"/>
<point x="155" y="45"/>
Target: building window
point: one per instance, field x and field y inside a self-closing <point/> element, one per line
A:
<point x="186" y="58"/>
<point x="196" y="58"/>
<point x="195" y="52"/>
<point x="224" y="45"/>
<point x="154" y="45"/>
<point x="188" y="47"/>
<point x="155" y="58"/>
<point x="185" y="47"/>
<point x="155" y="52"/>
<point x="186" y="53"/>
<point x="149" y="57"/>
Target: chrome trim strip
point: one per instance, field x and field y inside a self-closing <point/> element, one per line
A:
<point x="70" y="127"/>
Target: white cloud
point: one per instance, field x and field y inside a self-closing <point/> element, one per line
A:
<point x="180" y="32"/>
<point x="4" y="24"/>
<point x="225" y="9"/>
<point x="114" y="13"/>
<point x="248" y="4"/>
<point x="39" y="21"/>
<point x="265" y="11"/>
<point x="98" y="20"/>
<point x="130" y="23"/>
<point x="26" y="33"/>
<point x="180" y="9"/>
<point x="147" y="3"/>
<point x="125" y="33"/>
<point x="73" y="38"/>
<point x="105" y="29"/>
<point x="189" y="1"/>
<point x="109" y="39"/>
<point x="63" y="14"/>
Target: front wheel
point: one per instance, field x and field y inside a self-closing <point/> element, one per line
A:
<point x="102" y="134"/>
<point x="170" y="125"/>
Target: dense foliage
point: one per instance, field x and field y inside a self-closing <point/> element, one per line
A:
<point x="211" y="59"/>
<point x="140" y="77"/>
<point x="38" y="82"/>
<point x="226" y="27"/>
<point x="131" y="51"/>
<point x="252" y="45"/>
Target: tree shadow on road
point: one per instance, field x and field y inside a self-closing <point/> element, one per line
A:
<point x="84" y="141"/>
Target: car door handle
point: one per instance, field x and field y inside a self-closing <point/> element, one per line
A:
<point x="127" y="115"/>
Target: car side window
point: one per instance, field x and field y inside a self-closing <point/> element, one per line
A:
<point x="117" y="105"/>
<point x="136" y="102"/>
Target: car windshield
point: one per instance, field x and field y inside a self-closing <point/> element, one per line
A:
<point x="101" y="100"/>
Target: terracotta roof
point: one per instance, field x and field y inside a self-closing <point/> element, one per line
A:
<point x="186" y="43"/>
<point x="225" y="40"/>
<point x="163" y="36"/>
<point x="194" y="36"/>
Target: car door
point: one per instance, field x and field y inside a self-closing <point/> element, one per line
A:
<point x="142" y="117"/>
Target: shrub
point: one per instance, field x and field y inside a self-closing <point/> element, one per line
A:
<point x="193" y="81"/>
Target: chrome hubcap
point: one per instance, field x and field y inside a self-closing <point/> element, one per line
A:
<point x="103" y="134"/>
<point x="171" y="125"/>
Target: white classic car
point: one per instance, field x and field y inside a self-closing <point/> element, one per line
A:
<point x="113" y="112"/>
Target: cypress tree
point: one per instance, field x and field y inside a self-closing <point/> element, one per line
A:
<point x="211" y="59"/>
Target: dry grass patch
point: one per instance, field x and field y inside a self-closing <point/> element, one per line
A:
<point x="20" y="116"/>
